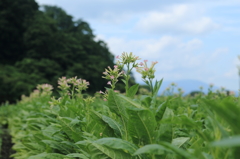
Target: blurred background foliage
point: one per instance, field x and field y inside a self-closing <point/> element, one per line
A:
<point x="40" y="44"/>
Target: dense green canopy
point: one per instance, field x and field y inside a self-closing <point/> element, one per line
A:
<point x="39" y="46"/>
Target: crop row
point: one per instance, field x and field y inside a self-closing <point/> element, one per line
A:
<point x="122" y="126"/>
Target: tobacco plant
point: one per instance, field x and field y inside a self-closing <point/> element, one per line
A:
<point x="124" y="126"/>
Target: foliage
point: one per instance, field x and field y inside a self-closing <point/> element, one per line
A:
<point x="126" y="125"/>
<point x="39" y="46"/>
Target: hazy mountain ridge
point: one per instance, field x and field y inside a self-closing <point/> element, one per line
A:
<point x="188" y="86"/>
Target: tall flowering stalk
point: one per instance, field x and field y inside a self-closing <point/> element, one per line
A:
<point x="112" y="75"/>
<point x="128" y="61"/>
<point x="72" y="85"/>
<point x="45" y="88"/>
<point x="147" y="73"/>
<point x="148" y="76"/>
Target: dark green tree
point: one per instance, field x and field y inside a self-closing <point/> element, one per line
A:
<point x="39" y="46"/>
<point x="14" y="16"/>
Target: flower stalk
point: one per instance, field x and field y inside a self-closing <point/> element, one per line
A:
<point x="129" y="61"/>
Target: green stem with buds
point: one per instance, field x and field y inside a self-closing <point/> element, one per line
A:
<point x="127" y="76"/>
<point x="127" y="79"/>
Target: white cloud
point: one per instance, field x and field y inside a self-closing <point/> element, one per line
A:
<point x="232" y="73"/>
<point x="144" y="29"/>
<point x="177" y="19"/>
<point x="179" y="59"/>
<point x="171" y="52"/>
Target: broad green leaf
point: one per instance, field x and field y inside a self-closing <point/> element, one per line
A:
<point x="227" y="110"/>
<point x="116" y="105"/>
<point x="207" y="156"/>
<point x="70" y="144"/>
<point x="33" y="146"/>
<point x="233" y="141"/>
<point x="141" y="125"/>
<point x="132" y="91"/>
<point x="84" y="143"/>
<point x="124" y="81"/>
<point x="146" y="100"/>
<point x="155" y="93"/>
<point x="128" y="102"/>
<point x="62" y="147"/>
<point x="160" y="110"/>
<point x="116" y="143"/>
<point x="165" y="131"/>
<point x="97" y="126"/>
<point x="98" y="151"/>
<point x="52" y="132"/>
<point x="180" y="141"/>
<point x="157" y="86"/>
<point x="72" y="130"/>
<point x="49" y="156"/>
<point x="178" y="151"/>
<point x="81" y="156"/>
<point x="114" y="125"/>
<point x="152" y="149"/>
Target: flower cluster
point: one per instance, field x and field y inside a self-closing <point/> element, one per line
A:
<point x="45" y="88"/>
<point x="73" y="84"/>
<point x="42" y="90"/>
<point x="105" y="94"/>
<point x="126" y="59"/>
<point x="63" y="84"/>
<point x="89" y="100"/>
<point x="145" y="71"/>
<point x="53" y="102"/>
<point x="112" y="75"/>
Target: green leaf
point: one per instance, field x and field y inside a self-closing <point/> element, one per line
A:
<point x="81" y="156"/>
<point x="62" y="147"/>
<point x="207" y="156"/>
<point x="161" y="110"/>
<point x="132" y="91"/>
<point x="124" y="81"/>
<point x="180" y="141"/>
<point x="52" y="132"/>
<point x="116" y="143"/>
<point x="116" y="105"/>
<point x="70" y="127"/>
<point x="152" y="149"/>
<point x="155" y="93"/>
<point x="129" y="103"/>
<point x="33" y="146"/>
<point x="97" y="126"/>
<point x="114" y="125"/>
<point x="157" y="86"/>
<point x="165" y="131"/>
<point x="146" y="100"/>
<point x="233" y="141"/>
<point x="227" y="110"/>
<point x="141" y="125"/>
<point x="176" y="150"/>
<point x="49" y="156"/>
<point x="98" y="151"/>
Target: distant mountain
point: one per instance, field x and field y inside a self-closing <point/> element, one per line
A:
<point x="188" y="86"/>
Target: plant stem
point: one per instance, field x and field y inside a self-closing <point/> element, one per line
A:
<point x="153" y="157"/>
<point x="127" y="78"/>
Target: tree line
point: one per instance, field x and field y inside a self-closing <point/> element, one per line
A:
<point x="40" y="44"/>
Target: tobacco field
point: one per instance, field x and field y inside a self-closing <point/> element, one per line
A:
<point x="128" y="125"/>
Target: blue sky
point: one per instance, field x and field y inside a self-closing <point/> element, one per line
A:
<point x="197" y="39"/>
